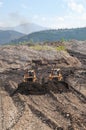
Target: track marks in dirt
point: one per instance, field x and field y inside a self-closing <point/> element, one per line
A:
<point x="78" y="94"/>
<point x="71" y="117"/>
<point x="76" y="120"/>
<point x="43" y="118"/>
<point x="21" y="108"/>
<point x="47" y="109"/>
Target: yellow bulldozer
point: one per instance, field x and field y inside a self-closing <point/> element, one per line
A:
<point x="55" y="74"/>
<point x="29" y="82"/>
<point x="31" y="85"/>
<point x="30" y="76"/>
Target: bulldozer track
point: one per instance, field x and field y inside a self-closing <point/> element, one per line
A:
<point x="18" y="103"/>
<point x="79" y="94"/>
<point x="40" y="114"/>
<point x="59" y="107"/>
<point x="44" y="118"/>
<point x="2" y="116"/>
<point x="1" y="113"/>
<point x="48" y="121"/>
<point x="21" y="108"/>
<point x="72" y="118"/>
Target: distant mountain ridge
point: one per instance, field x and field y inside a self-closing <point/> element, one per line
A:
<point x="25" y="28"/>
<point x="8" y="35"/>
<point x="54" y="35"/>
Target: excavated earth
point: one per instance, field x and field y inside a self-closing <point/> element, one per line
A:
<point x="50" y="105"/>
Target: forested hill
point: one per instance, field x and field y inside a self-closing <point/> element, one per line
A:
<point x="54" y="35"/>
<point x="7" y="35"/>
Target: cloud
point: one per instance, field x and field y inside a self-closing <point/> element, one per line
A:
<point x="2" y="24"/>
<point x="74" y="6"/>
<point x="71" y="20"/>
<point x="18" y="18"/>
<point x="43" y="19"/>
<point x="1" y="3"/>
<point x="75" y="16"/>
<point x="24" y="6"/>
<point x="39" y="18"/>
<point x="60" y="19"/>
<point x="35" y="16"/>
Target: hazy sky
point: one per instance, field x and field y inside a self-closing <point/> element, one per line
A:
<point x="48" y="13"/>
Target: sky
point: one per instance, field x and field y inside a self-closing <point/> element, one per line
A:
<point x="47" y="13"/>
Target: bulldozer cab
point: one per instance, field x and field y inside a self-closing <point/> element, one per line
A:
<point x="30" y="76"/>
<point x="31" y="73"/>
<point x="55" y="71"/>
<point x="55" y="74"/>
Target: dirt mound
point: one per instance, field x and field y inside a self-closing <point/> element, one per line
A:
<point x="18" y="56"/>
<point x="56" y="87"/>
<point x="30" y="88"/>
<point x="38" y="89"/>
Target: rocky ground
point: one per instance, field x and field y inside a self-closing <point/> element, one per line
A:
<point x="54" y="109"/>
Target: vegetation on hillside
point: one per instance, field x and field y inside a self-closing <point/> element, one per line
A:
<point x="54" y="35"/>
<point x="9" y="35"/>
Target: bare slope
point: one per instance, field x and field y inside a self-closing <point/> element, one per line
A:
<point x="39" y="111"/>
